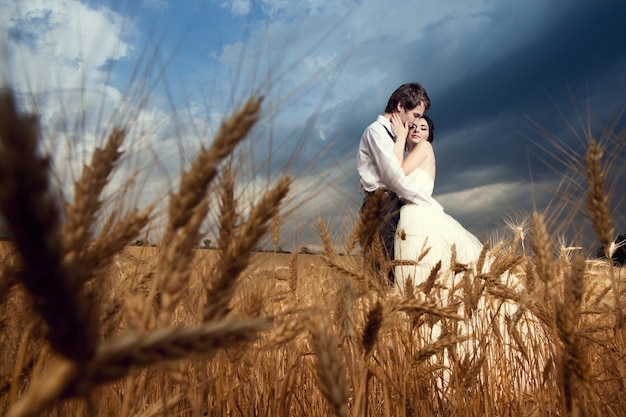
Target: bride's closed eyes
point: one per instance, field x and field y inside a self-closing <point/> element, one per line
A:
<point x="423" y="127"/>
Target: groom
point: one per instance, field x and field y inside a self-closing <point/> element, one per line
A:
<point x="379" y="168"/>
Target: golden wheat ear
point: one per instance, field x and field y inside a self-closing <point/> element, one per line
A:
<point x="541" y="245"/>
<point x="228" y="207"/>
<point x="598" y="212"/>
<point x="31" y="212"/>
<point x="236" y="256"/>
<point x="196" y="180"/>
<point x="372" y="328"/>
<point x="9" y="269"/>
<point x="189" y="206"/>
<point x="115" y="237"/>
<point x="597" y="198"/>
<point x="330" y="367"/>
<point x="115" y="359"/>
<point x="439" y="345"/>
<point x="327" y="241"/>
<point x="574" y="367"/>
<point x="80" y="215"/>
<point x="369" y="220"/>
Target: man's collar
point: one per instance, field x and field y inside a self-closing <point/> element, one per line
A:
<point x="387" y="125"/>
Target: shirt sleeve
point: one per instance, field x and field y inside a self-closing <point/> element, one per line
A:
<point x="414" y="189"/>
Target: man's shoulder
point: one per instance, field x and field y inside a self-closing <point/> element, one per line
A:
<point x="376" y="124"/>
<point x="374" y="128"/>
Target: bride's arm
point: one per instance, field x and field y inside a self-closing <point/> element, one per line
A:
<point x="421" y="156"/>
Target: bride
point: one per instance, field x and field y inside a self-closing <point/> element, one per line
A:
<point x="497" y="329"/>
<point x="424" y="233"/>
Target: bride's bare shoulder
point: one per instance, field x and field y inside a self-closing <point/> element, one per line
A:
<point x="425" y="148"/>
<point x="424" y="145"/>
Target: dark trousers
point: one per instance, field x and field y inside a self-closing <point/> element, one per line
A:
<point x="390" y="215"/>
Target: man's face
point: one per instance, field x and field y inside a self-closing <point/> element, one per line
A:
<point x="410" y="116"/>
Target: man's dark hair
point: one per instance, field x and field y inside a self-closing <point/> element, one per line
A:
<point x="410" y="95"/>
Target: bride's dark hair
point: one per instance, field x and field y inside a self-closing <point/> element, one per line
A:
<point x="431" y="128"/>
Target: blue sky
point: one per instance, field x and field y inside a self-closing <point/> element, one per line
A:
<point x="511" y="84"/>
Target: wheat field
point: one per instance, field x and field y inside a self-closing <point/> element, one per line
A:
<point x="93" y="326"/>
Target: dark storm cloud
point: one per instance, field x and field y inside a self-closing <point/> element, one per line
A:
<point x="488" y="116"/>
<point x="576" y="56"/>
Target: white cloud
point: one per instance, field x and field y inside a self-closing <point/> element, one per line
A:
<point x="59" y="44"/>
<point x="156" y="5"/>
<point x="287" y="9"/>
<point x="241" y="7"/>
<point x="238" y="7"/>
<point x="486" y="208"/>
<point x="57" y="54"/>
<point x="477" y="200"/>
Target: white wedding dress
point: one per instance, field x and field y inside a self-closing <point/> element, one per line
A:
<point x="427" y="228"/>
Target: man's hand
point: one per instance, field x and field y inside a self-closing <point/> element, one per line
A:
<point x="401" y="130"/>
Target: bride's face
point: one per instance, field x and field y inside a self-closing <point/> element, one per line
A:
<point x="419" y="131"/>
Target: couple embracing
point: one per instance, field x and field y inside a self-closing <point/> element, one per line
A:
<point x="395" y="154"/>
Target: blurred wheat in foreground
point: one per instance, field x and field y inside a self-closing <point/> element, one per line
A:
<point x="92" y="326"/>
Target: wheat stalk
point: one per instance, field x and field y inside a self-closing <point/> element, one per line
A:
<point x="293" y="271"/>
<point x="276" y="230"/>
<point x="115" y="359"/>
<point x="482" y="258"/>
<point x="373" y="324"/>
<point x="9" y="270"/>
<point x="118" y="235"/>
<point x="369" y="220"/>
<point x="427" y="286"/>
<point x="289" y="329"/>
<point x="333" y="260"/>
<point x="173" y="268"/>
<point x="196" y="180"/>
<point x="327" y="242"/>
<point x="30" y="210"/>
<point x="573" y="360"/>
<point x="107" y="224"/>
<point x="164" y="407"/>
<point x="45" y="391"/>
<point x="601" y="221"/>
<point x="541" y="245"/>
<point x="330" y="368"/>
<point x="444" y="342"/>
<point x="80" y="216"/>
<point x="189" y="207"/>
<point x="236" y="255"/>
<point x="228" y="208"/>
<point x="597" y="199"/>
<point x="415" y="306"/>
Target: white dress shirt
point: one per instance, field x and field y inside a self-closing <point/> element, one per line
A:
<point x="378" y="167"/>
